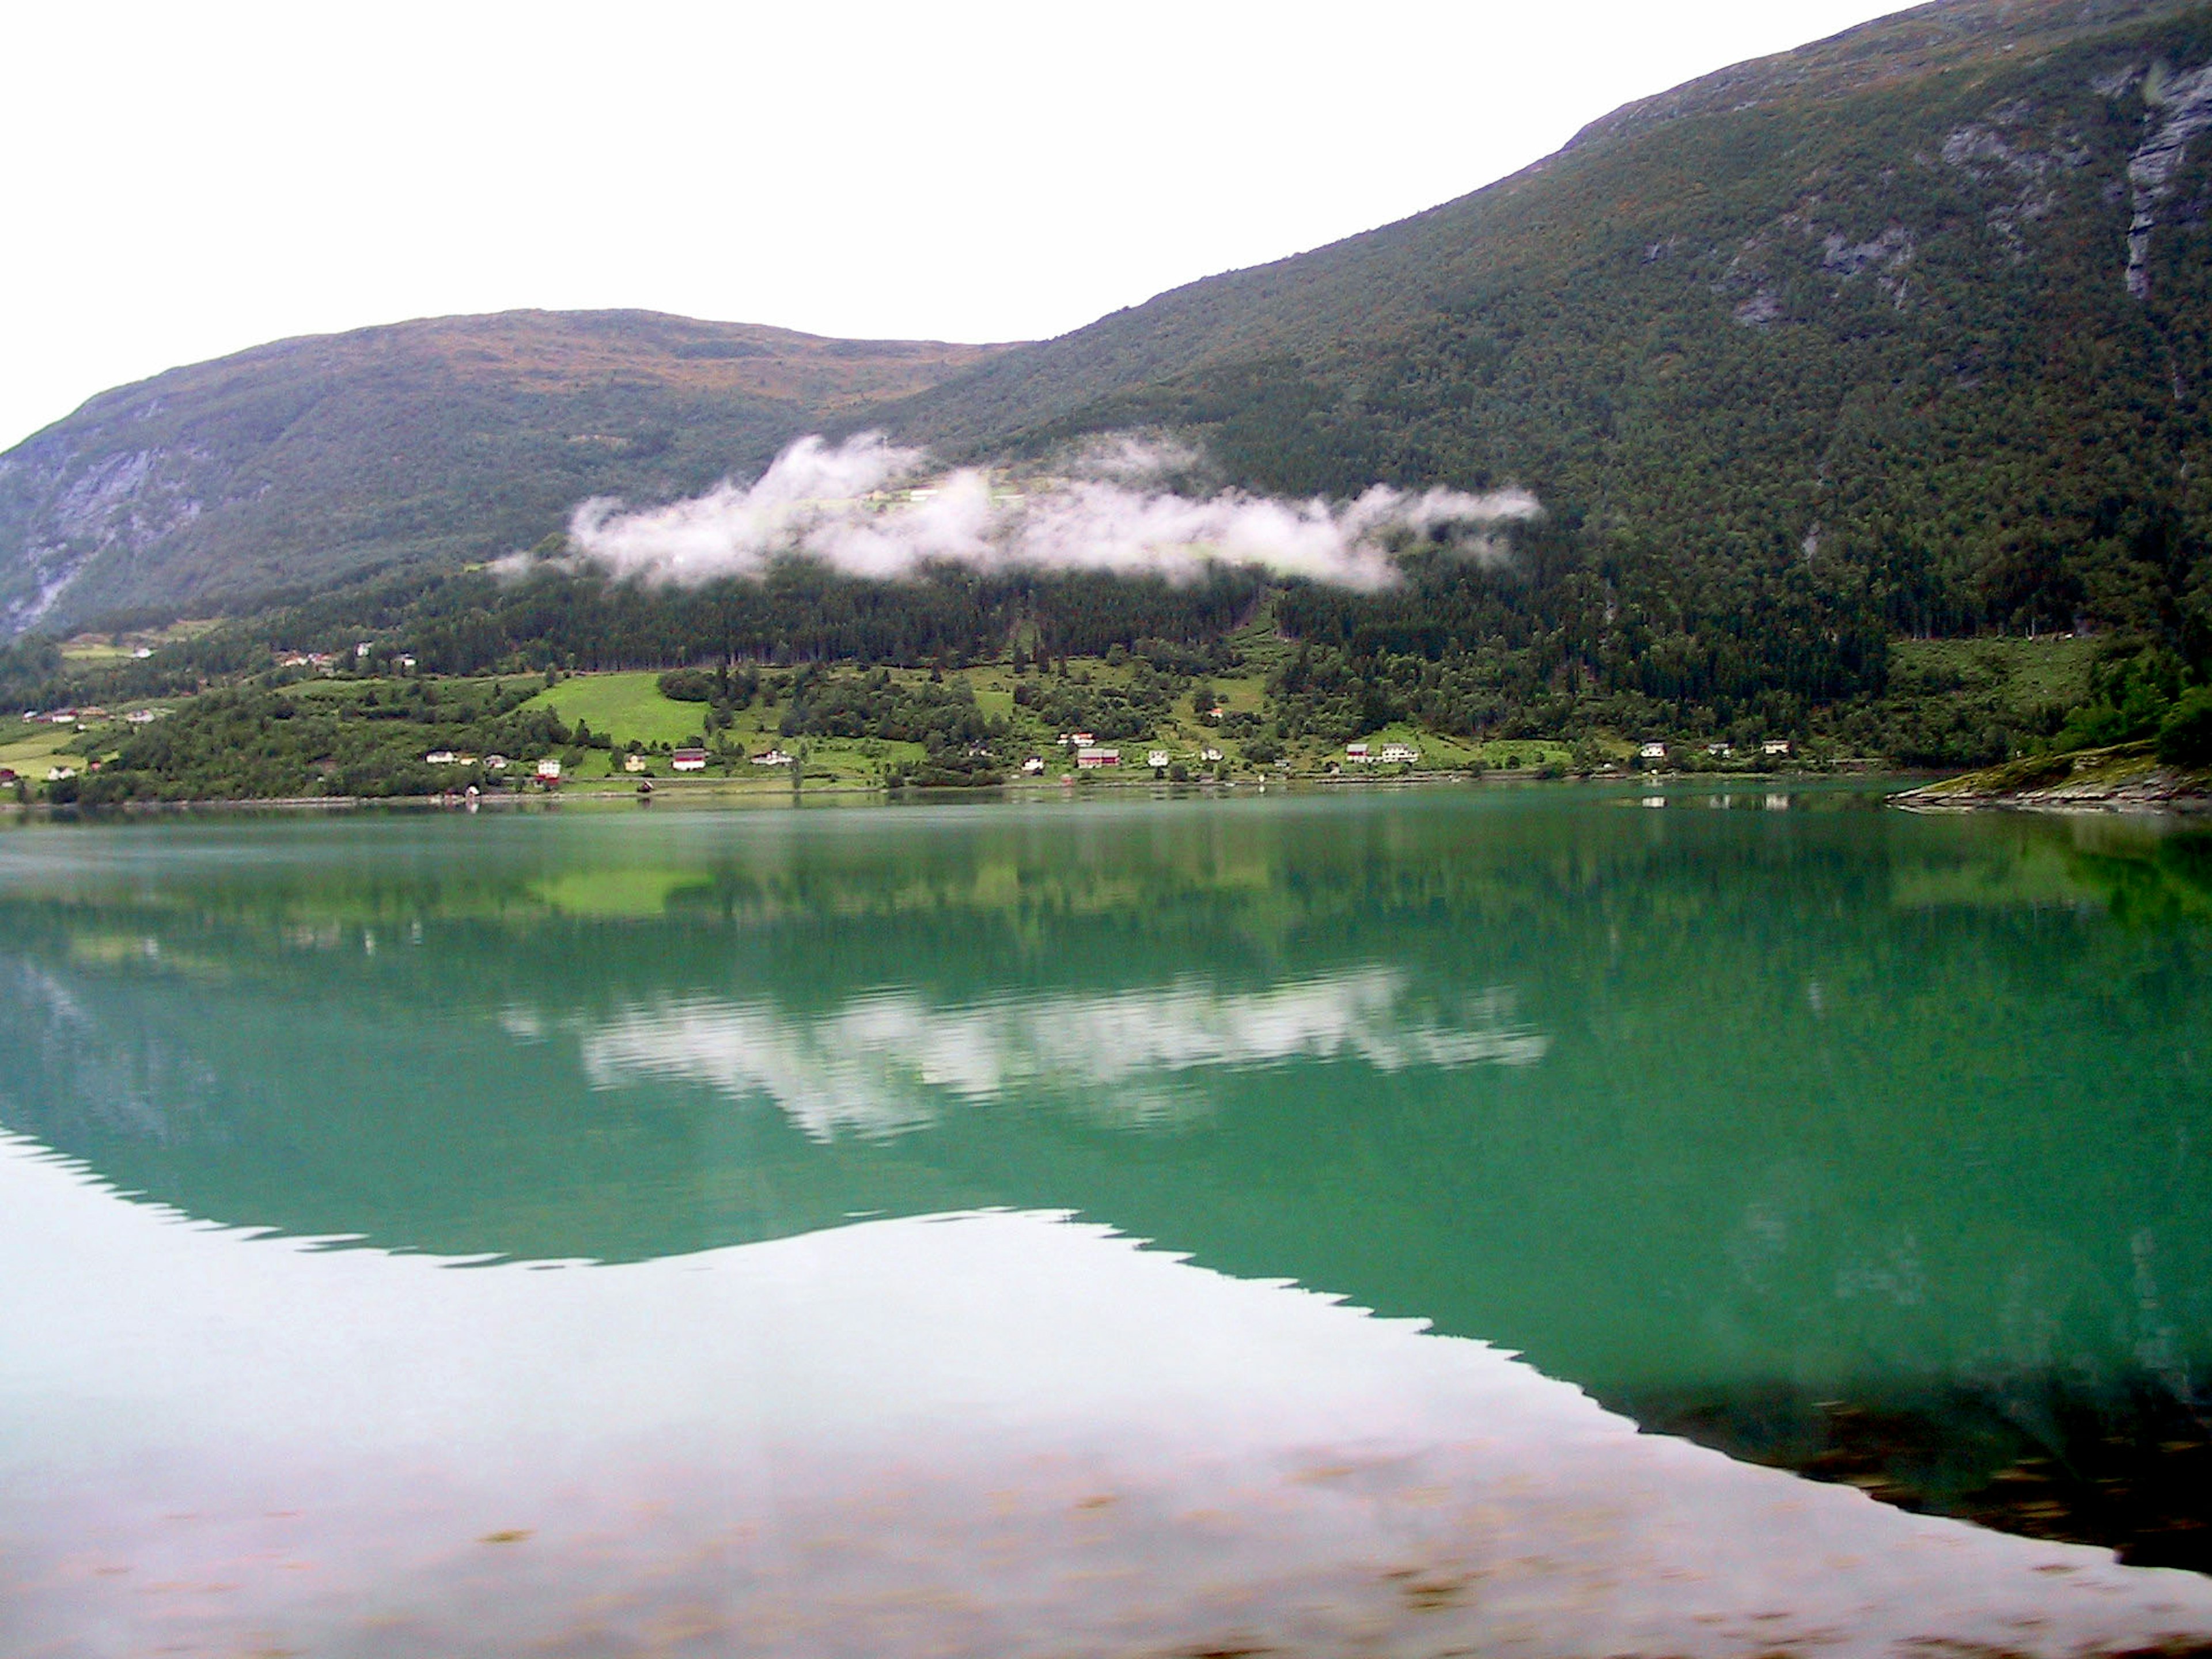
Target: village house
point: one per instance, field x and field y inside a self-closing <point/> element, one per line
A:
<point x="772" y="757"/>
<point x="1720" y="751"/>
<point x="1156" y="759"/>
<point x="1033" y="765"/>
<point x="495" y="762"/>
<point x="1357" y="753"/>
<point x="1209" y="755"/>
<point x="441" y="757"/>
<point x="56" y="774"/>
<point x="689" y="760"/>
<point x="1775" y="746"/>
<point x="144" y="716"/>
<point x="549" y="770"/>
<point x="1399" y="754"/>
<point x="1088" y="756"/>
<point x="7" y="775"/>
<point x="1652" y="751"/>
<point x="633" y="763"/>
<point x="1076" y="740"/>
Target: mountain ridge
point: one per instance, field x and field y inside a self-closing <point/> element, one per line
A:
<point x="323" y="457"/>
<point x="1907" y="325"/>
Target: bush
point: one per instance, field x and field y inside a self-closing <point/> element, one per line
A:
<point x="2185" y="738"/>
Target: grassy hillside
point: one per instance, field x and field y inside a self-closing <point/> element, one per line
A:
<point x="1866" y="317"/>
<point x="291" y="467"/>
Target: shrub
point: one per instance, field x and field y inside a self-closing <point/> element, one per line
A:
<point x="2186" y="737"/>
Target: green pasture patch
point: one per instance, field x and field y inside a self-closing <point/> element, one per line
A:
<point x="624" y="706"/>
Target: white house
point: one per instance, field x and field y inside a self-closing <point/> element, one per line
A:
<point x="633" y="763"/>
<point x="1775" y="746"/>
<point x="1719" y="750"/>
<point x="1652" y="751"/>
<point x="1157" y="758"/>
<point x="1088" y="756"/>
<point x="1399" y="754"/>
<point x="1209" y="755"/>
<point x="689" y="760"/>
<point x="1077" y="739"/>
<point x="1033" y="765"/>
<point x="772" y="757"/>
<point x="56" y="774"/>
<point x="495" y="762"/>
<point x="144" y="716"/>
<point x="441" y="757"/>
<point x="549" y="771"/>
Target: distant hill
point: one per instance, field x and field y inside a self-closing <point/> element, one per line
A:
<point x="294" y="466"/>
<point x="1916" y="316"/>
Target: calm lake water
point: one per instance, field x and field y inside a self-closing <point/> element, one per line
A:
<point x="1546" y="1221"/>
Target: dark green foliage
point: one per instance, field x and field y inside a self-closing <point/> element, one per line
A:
<point x="262" y="742"/>
<point x="1108" y="713"/>
<point x="2185" y="737"/>
<point x="941" y="715"/>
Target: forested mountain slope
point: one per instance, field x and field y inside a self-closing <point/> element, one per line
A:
<point x="295" y="466"/>
<point x="1909" y="324"/>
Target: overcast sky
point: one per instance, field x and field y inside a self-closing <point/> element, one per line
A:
<point x="185" y="180"/>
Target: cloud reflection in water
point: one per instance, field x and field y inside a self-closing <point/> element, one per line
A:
<point x="892" y="1061"/>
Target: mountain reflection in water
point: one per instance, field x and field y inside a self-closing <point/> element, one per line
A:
<point x="1869" y="1147"/>
<point x="992" y="1434"/>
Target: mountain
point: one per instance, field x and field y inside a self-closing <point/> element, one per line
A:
<point x="1917" y="315"/>
<point x="297" y="465"/>
<point x="1908" y="332"/>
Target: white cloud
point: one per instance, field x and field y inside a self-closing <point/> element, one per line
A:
<point x="835" y="502"/>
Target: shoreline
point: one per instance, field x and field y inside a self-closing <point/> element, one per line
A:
<point x="768" y="793"/>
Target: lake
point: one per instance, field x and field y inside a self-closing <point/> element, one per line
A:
<point x="1554" y="1221"/>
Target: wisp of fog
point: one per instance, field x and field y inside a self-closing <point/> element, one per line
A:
<point x="1112" y="512"/>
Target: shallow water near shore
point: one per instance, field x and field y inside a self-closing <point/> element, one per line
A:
<point x="1570" y="1221"/>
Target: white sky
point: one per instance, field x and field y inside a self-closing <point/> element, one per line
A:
<point x="186" y="180"/>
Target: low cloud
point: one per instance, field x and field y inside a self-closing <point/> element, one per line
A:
<point x="872" y="508"/>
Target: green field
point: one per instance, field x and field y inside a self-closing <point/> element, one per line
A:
<point x="624" y="707"/>
<point x="2027" y="674"/>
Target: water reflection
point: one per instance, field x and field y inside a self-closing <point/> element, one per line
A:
<point x="997" y="1434"/>
<point x="1867" y="1145"/>
<point x="888" y="1060"/>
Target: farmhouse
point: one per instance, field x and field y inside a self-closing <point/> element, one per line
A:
<point x="1775" y="746"/>
<point x="1157" y="758"/>
<point x="1088" y="756"/>
<point x="1357" y="753"/>
<point x="1720" y="751"/>
<point x="1077" y="739"/>
<point x="1209" y="755"/>
<point x="1399" y="754"/>
<point x="549" y="771"/>
<point x="689" y="760"/>
<point x="1652" y="751"/>
<point x="772" y="757"/>
<point x="440" y="758"/>
<point x="1033" y="765"/>
<point x="144" y="716"/>
<point x="633" y="763"/>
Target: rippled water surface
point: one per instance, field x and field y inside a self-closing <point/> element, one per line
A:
<point x="1542" y="1221"/>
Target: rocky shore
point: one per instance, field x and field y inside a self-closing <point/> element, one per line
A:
<point x="2128" y="777"/>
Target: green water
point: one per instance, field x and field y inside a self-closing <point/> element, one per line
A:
<point x="1749" y="1114"/>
